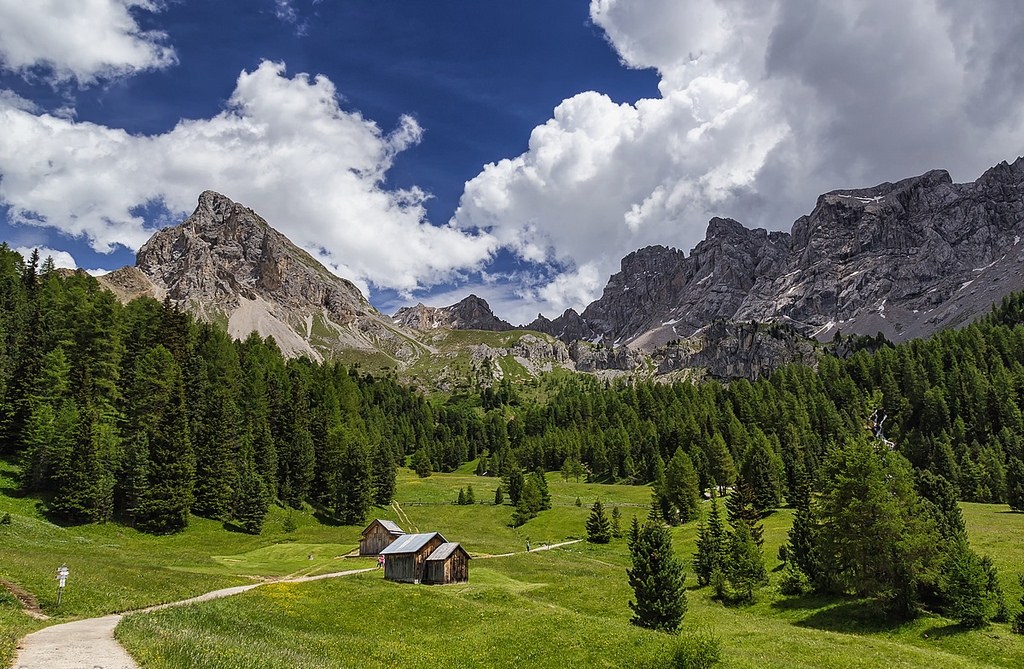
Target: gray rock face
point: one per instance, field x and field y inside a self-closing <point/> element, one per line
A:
<point x="225" y="262"/>
<point x="472" y="313"/>
<point x="906" y="259"/>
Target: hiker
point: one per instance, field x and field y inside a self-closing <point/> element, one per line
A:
<point x="380" y="562"/>
<point x="527" y="545"/>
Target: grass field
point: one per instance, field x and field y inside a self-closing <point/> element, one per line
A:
<point x="566" y="607"/>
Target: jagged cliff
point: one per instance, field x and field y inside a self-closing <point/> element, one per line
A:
<point x="226" y="264"/>
<point x="906" y="259"/>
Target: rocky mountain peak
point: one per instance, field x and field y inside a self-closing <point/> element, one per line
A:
<point x="226" y="261"/>
<point x="472" y="313"/>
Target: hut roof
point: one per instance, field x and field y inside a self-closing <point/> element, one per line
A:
<point x="444" y="551"/>
<point x="388" y="525"/>
<point x="409" y="543"/>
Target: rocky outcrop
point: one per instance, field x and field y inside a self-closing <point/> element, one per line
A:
<point x="472" y="313"/>
<point x="225" y="263"/>
<point x="729" y="350"/>
<point x="905" y="259"/>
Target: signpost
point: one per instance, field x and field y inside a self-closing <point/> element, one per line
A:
<point x="62" y="577"/>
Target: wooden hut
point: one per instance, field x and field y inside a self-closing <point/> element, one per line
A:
<point x="378" y="536"/>
<point x="404" y="558"/>
<point x="449" y="563"/>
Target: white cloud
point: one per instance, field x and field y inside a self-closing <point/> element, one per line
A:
<point x="84" y="40"/>
<point x="60" y="258"/>
<point x="283" y="147"/>
<point x="764" y="105"/>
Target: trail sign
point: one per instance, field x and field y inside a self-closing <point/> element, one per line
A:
<point x="62" y="577"/>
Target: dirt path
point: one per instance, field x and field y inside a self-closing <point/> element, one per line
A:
<point x="27" y="599"/>
<point x="90" y="643"/>
<point x="544" y="547"/>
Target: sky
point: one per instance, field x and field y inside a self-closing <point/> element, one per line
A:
<point x="515" y="150"/>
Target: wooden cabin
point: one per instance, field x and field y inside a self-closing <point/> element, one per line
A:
<point x="449" y="563"/>
<point x="405" y="557"/>
<point x="378" y="536"/>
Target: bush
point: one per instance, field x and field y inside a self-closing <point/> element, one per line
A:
<point x="794" y="581"/>
<point x="699" y="649"/>
<point x="6" y="520"/>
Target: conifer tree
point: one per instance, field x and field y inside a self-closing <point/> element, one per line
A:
<point x="800" y="548"/>
<point x="216" y="447"/>
<point x="542" y="487"/>
<point x="420" y="462"/>
<point x="252" y="500"/>
<point x="499" y="496"/>
<point x="1015" y="483"/>
<point x="681" y="487"/>
<point x="461" y="499"/>
<point x="711" y="545"/>
<point x="599" y="529"/>
<point x="515" y="484"/>
<point x="740" y="507"/>
<point x="160" y="416"/>
<point x="657" y="579"/>
<point x="744" y="568"/>
<point x="385" y="474"/>
<point x="720" y="462"/>
<point x="470" y="497"/>
<point x="81" y="496"/>
<point x="355" y="487"/>
<point x="1018" y="618"/>
<point x="616" y="523"/>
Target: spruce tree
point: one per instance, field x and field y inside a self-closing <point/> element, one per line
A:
<point x="354" y="495"/>
<point x="461" y="499"/>
<point x="80" y="496"/>
<point x="420" y="462"/>
<point x="744" y="569"/>
<point x="657" y="579"/>
<point x="542" y="486"/>
<point x="800" y="548"/>
<point x="252" y="499"/>
<point x="385" y="473"/>
<point x="159" y="415"/>
<point x="616" y="523"/>
<point x="711" y="545"/>
<point x="216" y="447"/>
<point x="740" y="506"/>
<point x="599" y="529"/>
<point x="1015" y="483"/>
<point x="499" y="496"/>
<point x="964" y="583"/>
<point x="682" y="487"/>
<point x="1018" y="618"/>
<point x="514" y="484"/>
<point x="470" y="497"/>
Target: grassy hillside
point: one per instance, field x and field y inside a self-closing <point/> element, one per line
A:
<point x="565" y="607"/>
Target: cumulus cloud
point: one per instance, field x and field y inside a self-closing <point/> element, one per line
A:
<point x="82" y="40"/>
<point x="283" y="146"/>
<point x="60" y="258"/>
<point x="763" y="105"/>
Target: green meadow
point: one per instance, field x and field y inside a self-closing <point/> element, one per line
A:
<point x="564" y="607"/>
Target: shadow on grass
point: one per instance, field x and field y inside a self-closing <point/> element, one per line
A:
<point x="941" y="632"/>
<point x="851" y="616"/>
<point x="327" y="519"/>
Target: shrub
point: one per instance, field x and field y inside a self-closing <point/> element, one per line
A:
<point x="699" y="649"/>
<point x="794" y="581"/>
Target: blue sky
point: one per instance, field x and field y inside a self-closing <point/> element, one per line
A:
<point x="516" y="150"/>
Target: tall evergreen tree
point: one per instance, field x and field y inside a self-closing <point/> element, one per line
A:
<point x="681" y="487"/>
<point x="875" y="538"/>
<point x="800" y="549"/>
<point x="711" y="545"/>
<point x="84" y="487"/>
<point x="159" y="416"/>
<point x="216" y="447"/>
<point x="741" y="506"/>
<point x="355" y="493"/>
<point x="385" y="474"/>
<point x="252" y="499"/>
<point x="657" y="579"/>
<point x="599" y="528"/>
